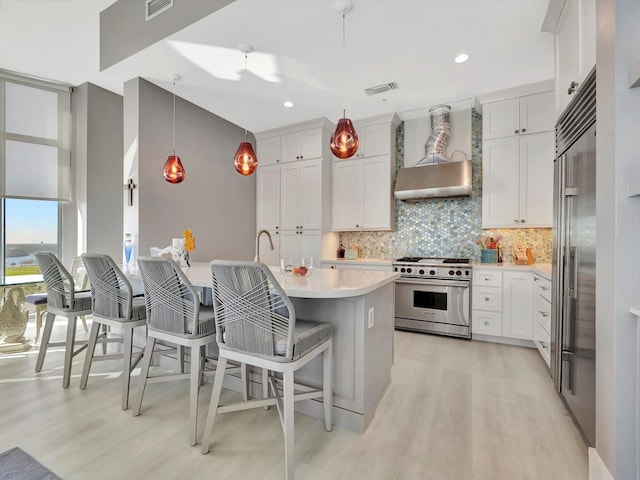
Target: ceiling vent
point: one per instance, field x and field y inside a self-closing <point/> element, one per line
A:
<point x="381" y="88"/>
<point x="153" y="8"/>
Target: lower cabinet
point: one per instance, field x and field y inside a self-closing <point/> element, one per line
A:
<point x="502" y="303"/>
<point x="542" y="317"/>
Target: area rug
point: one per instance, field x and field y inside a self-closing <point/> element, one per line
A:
<point x="18" y="465"/>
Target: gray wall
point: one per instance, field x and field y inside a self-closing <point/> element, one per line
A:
<point x="124" y="30"/>
<point x="214" y="201"/>
<point x="618" y="227"/>
<point x="92" y="222"/>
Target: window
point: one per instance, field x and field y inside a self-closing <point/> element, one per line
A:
<point x="35" y="121"/>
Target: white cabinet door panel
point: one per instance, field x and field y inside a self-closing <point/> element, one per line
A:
<point x="310" y="194"/>
<point x="376" y="199"/>
<point x="517" y="319"/>
<point x="289" y="186"/>
<point x="310" y="144"/>
<point x="346" y="205"/>
<point x="500" y="119"/>
<point x="374" y="140"/>
<point x="536" y="179"/>
<point x="268" y="151"/>
<point x="268" y="197"/>
<point x="486" y="323"/>
<point x="500" y="182"/>
<point x="536" y="113"/>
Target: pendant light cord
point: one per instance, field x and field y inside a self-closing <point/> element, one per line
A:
<point x="245" y="99"/>
<point x="344" y="68"/>
<point x="174" y="117"/>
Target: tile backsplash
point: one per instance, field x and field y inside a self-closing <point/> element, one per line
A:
<point x="446" y="227"/>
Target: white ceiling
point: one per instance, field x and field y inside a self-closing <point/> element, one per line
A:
<point x="298" y="54"/>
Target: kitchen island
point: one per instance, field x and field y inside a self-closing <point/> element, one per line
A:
<point x="360" y="306"/>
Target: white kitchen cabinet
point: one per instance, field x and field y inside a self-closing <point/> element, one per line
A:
<point x="517" y="181"/>
<point x="294" y="190"/>
<point x="295" y="244"/>
<point x="374" y="140"/>
<point x="304" y="145"/>
<point x="268" y="197"/>
<point x="518" y="116"/>
<point x="268" y="151"/>
<point x="362" y="186"/>
<point x="301" y="195"/>
<point x="502" y="303"/>
<point x="517" y="308"/>
<point x="542" y="317"/>
<point x="362" y="194"/>
<point x="574" y="29"/>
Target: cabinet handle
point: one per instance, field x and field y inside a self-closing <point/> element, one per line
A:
<point x="486" y="279"/>
<point x="522" y="221"/>
<point x="486" y="323"/>
<point x="515" y="131"/>
<point x="276" y="228"/>
<point x="572" y="87"/>
<point x="542" y="287"/>
<point x="486" y="299"/>
<point x="516" y="220"/>
<point x="301" y="157"/>
<point x="535" y="279"/>
<point x="523" y="130"/>
<point x="333" y="266"/>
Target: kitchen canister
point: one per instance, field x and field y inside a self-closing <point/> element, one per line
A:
<point x="489" y="256"/>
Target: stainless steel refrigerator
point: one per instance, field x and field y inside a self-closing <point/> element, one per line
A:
<point x="573" y="346"/>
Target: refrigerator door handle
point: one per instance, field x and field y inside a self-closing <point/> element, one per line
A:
<point x="567" y="358"/>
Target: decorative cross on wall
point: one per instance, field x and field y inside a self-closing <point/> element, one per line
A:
<point x="129" y="186"/>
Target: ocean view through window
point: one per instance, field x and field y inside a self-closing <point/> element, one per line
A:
<point x="29" y="226"/>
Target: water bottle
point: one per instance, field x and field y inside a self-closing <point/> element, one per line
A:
<point x="128" y="247"/>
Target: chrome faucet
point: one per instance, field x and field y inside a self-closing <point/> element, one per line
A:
<point x="260" y="232"/>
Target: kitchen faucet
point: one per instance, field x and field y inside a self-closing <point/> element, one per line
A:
<point x="260" y="232"/>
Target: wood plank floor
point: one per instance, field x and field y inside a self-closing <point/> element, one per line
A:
<point x="455" y="410"/>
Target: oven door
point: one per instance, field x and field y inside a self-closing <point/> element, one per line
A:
<point x="440" y="301"/>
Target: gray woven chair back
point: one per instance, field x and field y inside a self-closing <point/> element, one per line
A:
<point x="57" y="280"/>
<point x="111" y="292"/>
<point x="251" y="309"/>
<point x="172" y="302"/>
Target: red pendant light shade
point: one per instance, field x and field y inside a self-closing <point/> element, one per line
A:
<point x="173" y="170"/>
<point x="245" y="159"/>
<point x="344" y="142"/>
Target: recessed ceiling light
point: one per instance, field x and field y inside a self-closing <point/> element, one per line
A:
<point x="463" y="57"/>
<point x="288" y="104"/>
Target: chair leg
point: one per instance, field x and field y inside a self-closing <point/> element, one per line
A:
<point x="144" y="374"/>
<point x="84" y="323"/>
<point x="68" y="350"/>
<point x="91" y="348"/>
<point x="327" y="386"/>
<point x="105" y="331"/>
<point x="46" y="335"/>
<point x="213" y="405"/>
<point x="39" y="313"/>
<point x="194" y="387"/>
<point x="265" y="385"/>
<point x="288" y="398"/>
<point x="126" y="365"/>
<point x="244" y="376"/>
<point x="180" y="355"/>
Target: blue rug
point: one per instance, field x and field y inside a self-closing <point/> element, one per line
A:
<point x="18" y="465"/>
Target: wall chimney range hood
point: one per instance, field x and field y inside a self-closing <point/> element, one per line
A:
<point x="436" y="180"/>
<point x="435" y="175"/>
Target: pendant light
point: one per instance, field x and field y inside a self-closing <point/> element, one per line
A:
<point x="173" y="170"/>
<point x="245" y="159"/>
<point x="344" y="142"/>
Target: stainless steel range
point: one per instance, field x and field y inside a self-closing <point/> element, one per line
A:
<point x="432" y="295"/>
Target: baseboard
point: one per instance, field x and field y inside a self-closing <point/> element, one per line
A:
<point x="597" y="469"/>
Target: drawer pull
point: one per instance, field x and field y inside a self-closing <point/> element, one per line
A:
<point x="486" y="323"/>
<point x="543" y="288"/>
<point x="486" y="279"/>
<point x="486" y="299"/>
<point x="544" y="314"/>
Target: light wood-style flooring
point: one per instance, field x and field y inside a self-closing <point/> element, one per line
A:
<point x="456" y="409"/>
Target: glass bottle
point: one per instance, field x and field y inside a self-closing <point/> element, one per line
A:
<point x="341" y="251"/>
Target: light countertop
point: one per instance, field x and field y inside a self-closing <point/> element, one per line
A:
<point x="361" y="261"/>
<point x="322" y="283"/>
<point x="542" y="269"/>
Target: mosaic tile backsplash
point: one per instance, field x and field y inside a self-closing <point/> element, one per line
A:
<point x="446" y="227"/>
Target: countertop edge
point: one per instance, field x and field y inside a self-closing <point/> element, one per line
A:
<point x="339" y="292"/>
<point x="542" y="269"/>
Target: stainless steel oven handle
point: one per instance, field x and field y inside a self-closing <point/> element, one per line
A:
<point x="441" y="283"/>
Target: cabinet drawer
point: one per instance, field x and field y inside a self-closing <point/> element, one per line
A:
<point x="487" y="278"/>
<point x="543" y="287"/>
<point x="486" y="323"/>
<point x="543" y="314"/>
<point x="542" y="340"/>
<point x="487" y="298"/>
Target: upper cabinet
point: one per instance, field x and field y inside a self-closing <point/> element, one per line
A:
<point x="517" y="162"/>
<point x="518" y="116"/>
<point x="305" y="145"/>
<point x="573" y="24"/>
<point x="269" y="149"/>
<point x="362" y="186"/>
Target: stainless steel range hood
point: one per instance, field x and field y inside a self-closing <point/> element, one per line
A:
<point x="452" y="179"/>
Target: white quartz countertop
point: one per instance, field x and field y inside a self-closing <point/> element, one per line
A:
<point x="322" y="283"/>
<point x="359" y="261"/>
<point x="542" y="269"/>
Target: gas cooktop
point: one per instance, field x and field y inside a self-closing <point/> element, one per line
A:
<point x="433" y="260"/>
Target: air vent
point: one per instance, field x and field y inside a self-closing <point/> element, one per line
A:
<point x="381" y="88"/>
<point x="153" y="8"/>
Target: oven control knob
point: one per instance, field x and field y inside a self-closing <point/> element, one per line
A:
<point x="458" y="273"/>
<point x="432" y="272"/>
<point x="408" y="270"/>
<point x="451" y="272"/>
<point x="421" y="272"/>
<point x="402" y="269"/>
